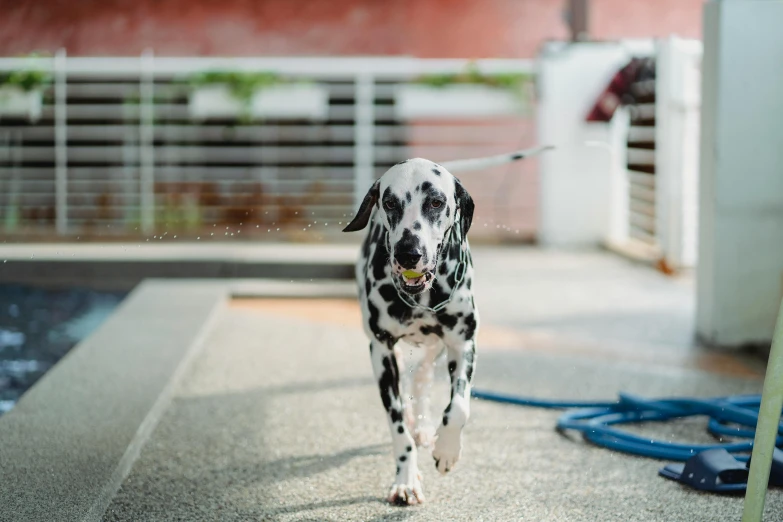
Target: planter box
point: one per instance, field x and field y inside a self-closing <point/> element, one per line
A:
<point x="17" y="103"/>
<point x="277" y="102"/>
<point x="456" y="102"/>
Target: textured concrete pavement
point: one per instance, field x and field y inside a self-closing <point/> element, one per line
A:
<point x="279" y="417"/>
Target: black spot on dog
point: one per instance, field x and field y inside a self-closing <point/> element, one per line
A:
<point x="452" y="368"/>
<point x="400" y="429"/>
<point x="398" y="470"/>
<point x="379" y="333"/>
<point x="469" y="283"/>
<point x="388" y="292"/>
<point x="377" y="234"/>
<point x="470" y="326"/>
<point x="430" y="213"/>
<point x="448" y="408"/>
<point x="443" y="268"/>
<point x="396" y="415"/>
<point x="398" y="310"/>
<point x="395" y="213"/>
<point x="366" y="246"/>
<point x="367" y="286"/>
<point x="453" y="250"/>
<point x="517" y="156"/>
<point x="389" y="386"/>
<point x="460" y="387"/>
<point x="432" y="330"/>
<point x="416" y="225"/>
<point x="445" y="423"/>
<point x="380" y="260"/>
<point x="452" y="279"/>
<point x="470" y="357"/>
<point x="409" y="449"/>
<point x="408" y="197"/>
<point x="447" y="320"/>
<point x="436" y="172"/>
<point x="448" y="212"/>
<point x="426" y="186"/>
<point x="438" y="293"/>
<point x="403" y="458"/>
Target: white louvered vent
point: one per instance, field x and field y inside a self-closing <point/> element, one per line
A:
<point x="641" y="164"/>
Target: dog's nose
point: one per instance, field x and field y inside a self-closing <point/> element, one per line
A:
<point x="408" y="258"/>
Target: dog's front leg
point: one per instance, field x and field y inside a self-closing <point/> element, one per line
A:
<point x="424" y="432"/>
<point x="407" y="484"/>
<point x="448" y="445"/>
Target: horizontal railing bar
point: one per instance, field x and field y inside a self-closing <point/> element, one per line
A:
<point x="166" y="90"/>
<point x="192" y="154"/>
<point x="28" y="172"/>
<point x="104" y="67"/>
<point x="179" y="112"/>
<point x="423" y="134"/>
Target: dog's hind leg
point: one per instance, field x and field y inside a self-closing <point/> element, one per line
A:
<point x="407" y="484"/>
<point x="448" y="446"/>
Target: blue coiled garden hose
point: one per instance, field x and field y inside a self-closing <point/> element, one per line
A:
<point x="733" y="416"/>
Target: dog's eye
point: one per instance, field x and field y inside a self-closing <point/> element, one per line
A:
<point x="436" y="203"/>
<point x="388" y="205"/>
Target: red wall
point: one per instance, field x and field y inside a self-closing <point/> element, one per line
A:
<point x="426" y="28"/>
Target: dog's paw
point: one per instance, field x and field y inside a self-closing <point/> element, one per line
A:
<point x="406" y="494"/>
<point x="424" y="436"/>
<point x="448" y="449"/>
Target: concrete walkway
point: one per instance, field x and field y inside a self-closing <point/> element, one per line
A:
<point x="278" y="418"/>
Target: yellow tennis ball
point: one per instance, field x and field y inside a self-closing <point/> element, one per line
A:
<point x="412" y="274"/>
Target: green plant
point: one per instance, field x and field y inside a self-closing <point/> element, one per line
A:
<point x="242" y="85"/>
<point x="514" y="82"/>
<point x="26" y="79"/>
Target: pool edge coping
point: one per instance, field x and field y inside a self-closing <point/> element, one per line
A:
<point x="41" y="416"/>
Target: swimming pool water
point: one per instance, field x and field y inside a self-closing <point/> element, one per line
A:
<point x="39" y="326"/>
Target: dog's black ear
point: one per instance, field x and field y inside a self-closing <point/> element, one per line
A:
<point x="465" y="207"/>
<point x="365" y="209"/>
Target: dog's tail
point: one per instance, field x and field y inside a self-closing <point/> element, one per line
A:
<point x="491" y="161"/>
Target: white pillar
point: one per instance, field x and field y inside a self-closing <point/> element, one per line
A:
<point x="740" y="270"/>
<point x="147" y="142"/>
<point x="61" y="142"/>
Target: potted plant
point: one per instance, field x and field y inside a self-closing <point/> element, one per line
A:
<point x="470" y="94"/>
<point x="248" y="96"/>
<point x="21" y="93"/>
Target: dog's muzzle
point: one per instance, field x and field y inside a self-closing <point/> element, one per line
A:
<point x="415" y="283"/>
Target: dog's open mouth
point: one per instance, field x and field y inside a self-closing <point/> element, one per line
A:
<point x="415" y="282"/>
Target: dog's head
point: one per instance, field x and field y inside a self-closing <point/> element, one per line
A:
<point x="418" y="203"/>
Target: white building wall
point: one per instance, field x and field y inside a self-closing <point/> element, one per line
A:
<point x="740" y="271"/>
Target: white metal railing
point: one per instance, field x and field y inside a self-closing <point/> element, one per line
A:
<point x="115" y="151"/>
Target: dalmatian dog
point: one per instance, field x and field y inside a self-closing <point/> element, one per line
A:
<point x="415" y="276"/>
